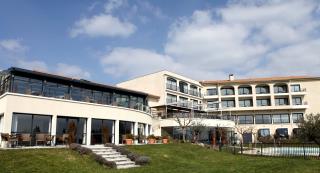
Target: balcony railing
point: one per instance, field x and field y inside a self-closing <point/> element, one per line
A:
<point x="172" y="87"/>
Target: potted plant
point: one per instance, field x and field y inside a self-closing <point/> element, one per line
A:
<point x="165" y="139"/>
<point x="129" y="139"/>
<point x="151" y="139"/>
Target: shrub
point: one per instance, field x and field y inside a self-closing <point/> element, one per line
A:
<point x="129" y="136"/>
<point x="142" y="160"/>
<point x="165" y="137"/>
<point x="83" y="150"/>
<point x="74" y="146"/>
<point x="151" y="137"/>
<point x="133" y="156"/>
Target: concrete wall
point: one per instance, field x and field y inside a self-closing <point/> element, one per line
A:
<point x="19" y="103"/>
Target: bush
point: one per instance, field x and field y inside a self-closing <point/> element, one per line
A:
<point x="133" y="156"/>
<point x="142" y="160"/>
<point x="74" y="146"/>
<point x="151" y="137"/>
<point x="83" y="150"/>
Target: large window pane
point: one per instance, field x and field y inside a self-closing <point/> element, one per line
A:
<point x="21" y="123"/>
<point x="297" y="117"/>
<point x="64" y="125"/>
<point x="101" y="131"/>
<point x="41" y="124"/>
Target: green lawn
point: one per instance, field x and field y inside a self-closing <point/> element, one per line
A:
<point x="171" y="158"/>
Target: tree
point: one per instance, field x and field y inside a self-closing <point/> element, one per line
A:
<point x="243" y="130"/>
<point x="310" y="128"/>
<point x="196" y="128"/>
<point x="184" y="120"/>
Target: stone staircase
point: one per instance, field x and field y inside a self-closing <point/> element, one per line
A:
<point x="110" y="154"/>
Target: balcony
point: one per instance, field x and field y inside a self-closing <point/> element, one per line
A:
<point x="172" y="87"/>
<point x="195" y="93"/>
<point x="302" y="91"/>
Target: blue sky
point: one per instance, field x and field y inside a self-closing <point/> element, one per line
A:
<point x="115" y="40"/>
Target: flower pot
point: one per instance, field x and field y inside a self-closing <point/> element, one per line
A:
<point x="129" y="141"/>
<point x="164" y="141"/>
<point x="151" y="141"/>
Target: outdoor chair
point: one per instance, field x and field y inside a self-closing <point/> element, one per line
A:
<point x="41" y="137"/>
<point x="49" y="139"/>
<point x="10" y="139"/>
<point x="25" y="137"/>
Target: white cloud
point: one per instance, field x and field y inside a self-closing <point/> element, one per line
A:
<point x="102" y="25"/>
<point x="126" y="61"/>
<point x="248" y="38"/>
<point x="32" y="65"/>
<point x="71" y="71"/>
<point x="112" y="5"/>
<point x="12" y="45"/>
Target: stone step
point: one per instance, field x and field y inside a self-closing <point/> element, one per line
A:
<point x="104" y="148"/>
<point x="127" y="162"/>
<point x="113" y="156"/>
<point x="127" y="166"/>
<point x="119" y="159"/>
<point x="104" y="151"/>
<point x="108" y="153"/>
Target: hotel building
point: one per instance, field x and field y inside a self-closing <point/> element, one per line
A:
<point x="33" y="103"/>
<point x="265" y="106"/>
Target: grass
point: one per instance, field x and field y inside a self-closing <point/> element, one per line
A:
<point x="165" y="158"/>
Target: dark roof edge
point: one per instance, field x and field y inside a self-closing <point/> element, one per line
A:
<point x="81" y="81"/>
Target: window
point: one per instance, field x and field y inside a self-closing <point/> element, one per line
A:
<point x="212" y="104"/>
<point x="227" y="103"/>
<point x="263" y="132"/>
<point x="281" y="133"/>
<point x="212" y="91"/>
<point x="183" y="87"/>
<point x="281" y="101"/>
<point x="172" y="84"/>
<point x="122" y="100"/>
<point x="193" y="90"/>
<point x="65" y="123"/>
<point x="101" y="131"/>
<point x="195" y="104"/>
<point x="263" y="102"/>
<point x="245" y="103"/>
<point x="245" y="119"/>
<point x="295" y="88"/>
<point x="227" y="91"/>
<point x="25" y="85"/>
<point x="296" y="101"/>
<point x="297" y="117"/>
<point x="183" y="101"/>
<point x="56" y="90"/>
<point x="280" y="89"/>
<point x="263" y="119"/>
<point x="28" y="123"/>
<point x="262" y="90"/>
<point x="281" y="118"/>
<point x="171" y="98"/>
<point x="244" y="90"/>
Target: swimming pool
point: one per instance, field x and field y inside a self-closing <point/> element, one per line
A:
<point x="289" y="151"/>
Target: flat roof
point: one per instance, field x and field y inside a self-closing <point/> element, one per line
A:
<point x="263" y="79"/>
<point x="73" y="80"/>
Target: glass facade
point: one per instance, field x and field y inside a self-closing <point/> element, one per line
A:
<point x="79" y="90"/>
<point x="281" y="101"/>
<point x="183" y="87"/>
<point x="71" y="126"/>
<point x="102" y="131"/>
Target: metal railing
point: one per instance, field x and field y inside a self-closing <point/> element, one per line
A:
<point x="172" y="87"/>
<point x="304" y="150"/>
